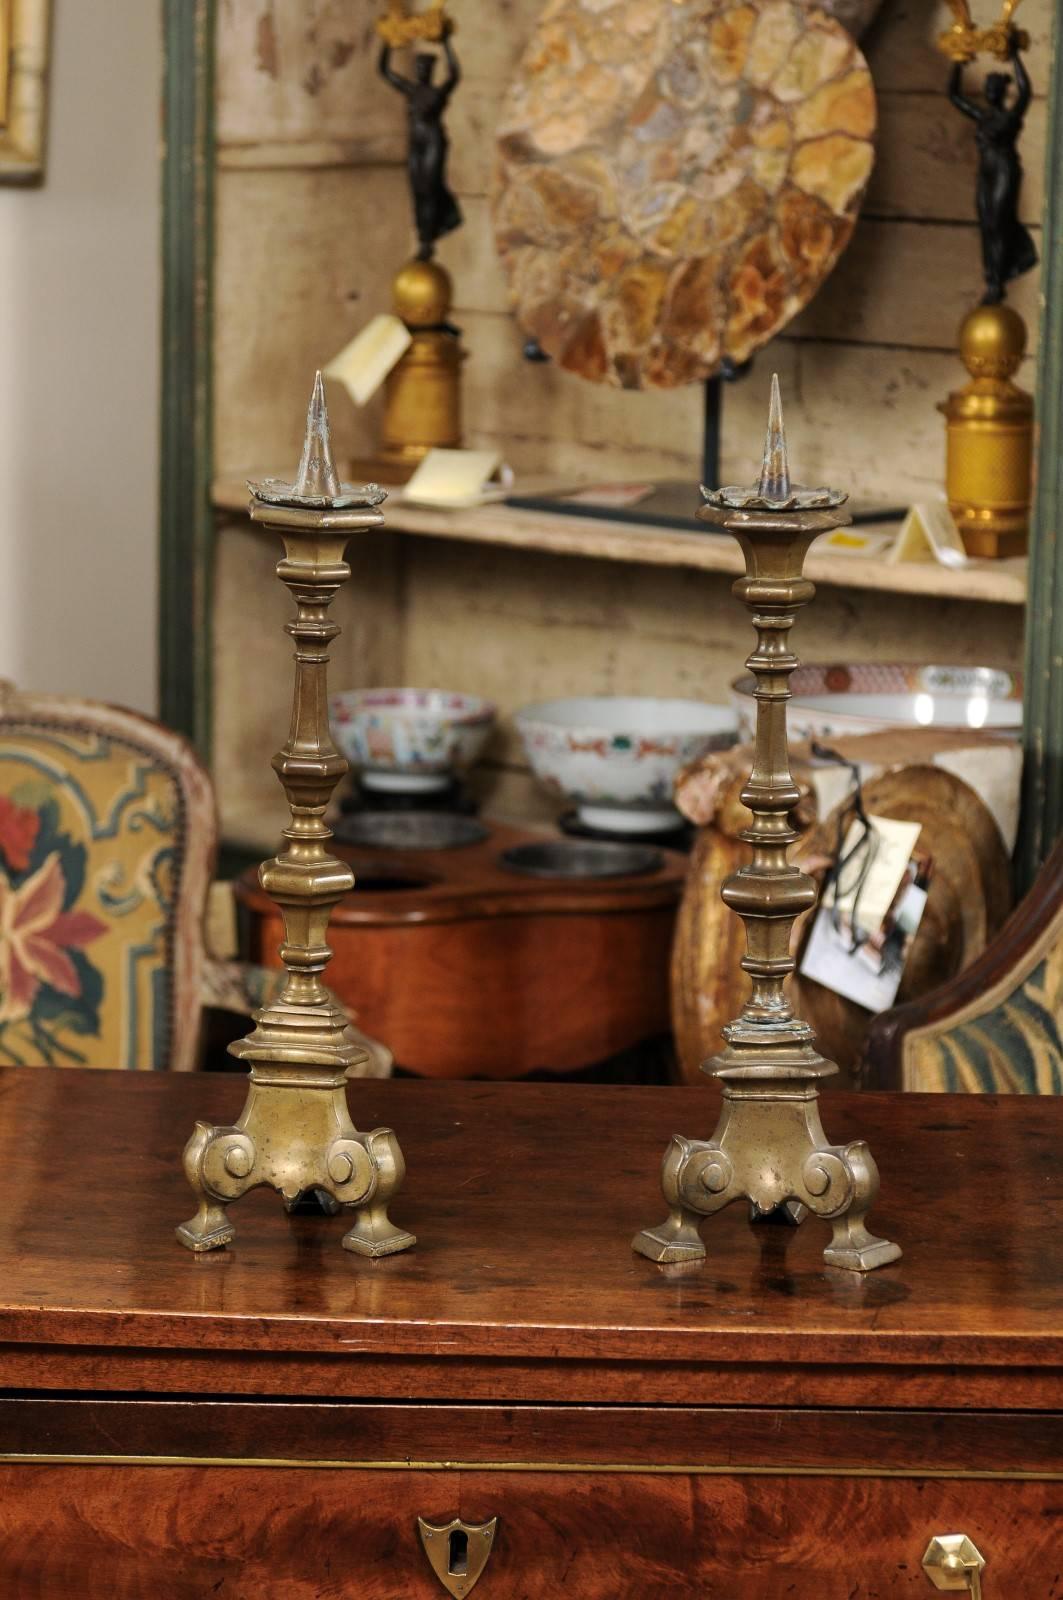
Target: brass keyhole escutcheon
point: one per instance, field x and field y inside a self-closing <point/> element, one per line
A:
<point x="457" y="1551"/>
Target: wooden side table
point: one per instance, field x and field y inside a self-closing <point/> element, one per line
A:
<point x="273" y="1420"/>
<point x="467" y="970"/>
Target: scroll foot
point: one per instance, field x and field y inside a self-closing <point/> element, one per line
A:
<point x="209" y="1229"/>
<point x="217" y="1162"/>
<point x="373" y="1233"/>
<point x="857" y="1250"/>
<point x="676" y="1239"/>
<point x="852" y="1247"/>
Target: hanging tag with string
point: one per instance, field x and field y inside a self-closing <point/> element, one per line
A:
<point x="871" y="903"/>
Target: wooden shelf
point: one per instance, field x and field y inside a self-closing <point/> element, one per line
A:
<point x="993" y="582"/>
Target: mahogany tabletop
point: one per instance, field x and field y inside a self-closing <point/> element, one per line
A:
<point x="524" y="1198"/>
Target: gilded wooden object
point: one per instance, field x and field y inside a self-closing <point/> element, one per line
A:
<point x="964" y="39"/>
<point x="989" y="433"/>
<point x="422" y="406"/>
<point x="24" y="43"/>
<point x="399" y="27"/>
<point x="295" y="1132"/>
<point x="769" y="1145"/>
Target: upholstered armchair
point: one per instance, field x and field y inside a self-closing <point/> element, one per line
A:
<point x="108" y="833"/>
<point x="998" y="1027"/>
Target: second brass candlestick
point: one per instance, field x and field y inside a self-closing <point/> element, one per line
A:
<point x="295" y="1132"/>
<point x="769" y="1146"/>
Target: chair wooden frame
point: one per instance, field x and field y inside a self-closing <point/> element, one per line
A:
<point x="1017" y="949"/>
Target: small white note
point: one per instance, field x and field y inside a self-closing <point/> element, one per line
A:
<point x="928" y="533"/>
<point x="459" y="478"/>
<point x="362" y="365"/>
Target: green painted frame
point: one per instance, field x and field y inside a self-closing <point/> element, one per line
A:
<point x="186" y="523"/>
<point x="1042" y="801"/>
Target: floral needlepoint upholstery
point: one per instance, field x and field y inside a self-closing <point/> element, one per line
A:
<point x="998" y="1027"/>
<point x="107" y="835"/>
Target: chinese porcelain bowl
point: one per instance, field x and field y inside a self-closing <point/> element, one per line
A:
<point x="617" y="758"/>
<point x="831" y="700"/>
<point x="409" y="740"/>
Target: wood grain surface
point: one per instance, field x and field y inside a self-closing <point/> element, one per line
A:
<point x="525" y="1199"/>
<point x="612" y="1438"/>
<point x="120" y="1533"/>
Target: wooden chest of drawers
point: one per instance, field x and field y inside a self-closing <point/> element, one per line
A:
<point x="272" y="1421"/>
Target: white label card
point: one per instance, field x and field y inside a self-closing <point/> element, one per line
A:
<point x="868" y="884"/>
<point x="362" y="365"/>
<point x="867" y="920"/>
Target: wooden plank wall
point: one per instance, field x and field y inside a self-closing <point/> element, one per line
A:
<point x="865" y="363"/>
<point x="312" y="221"/>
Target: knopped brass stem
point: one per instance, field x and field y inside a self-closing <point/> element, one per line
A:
<point x="769" y="1146"/>
<point x="295" y="1132"/>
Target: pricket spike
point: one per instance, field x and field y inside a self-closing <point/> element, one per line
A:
<point x="775" y="468"/>
<point x="317" y="485"/>
<point x="775" y="490"/>
<point x="317" y="475"/>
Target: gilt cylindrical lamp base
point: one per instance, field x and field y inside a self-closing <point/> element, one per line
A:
<point x="422" y="405"/>
<point x="989" y="436"/>
<point x="988" y="473"/>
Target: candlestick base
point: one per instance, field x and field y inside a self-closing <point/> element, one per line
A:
<point x="295" y="1135"/>
<point x="770" y="1148"/>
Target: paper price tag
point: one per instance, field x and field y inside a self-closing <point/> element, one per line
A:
<point x="458" y="478"/>
<point x="929" y="533"/>
<point x="867" y="886"/>
<point x="362" y="365"/>
<point x="869" y="914"/>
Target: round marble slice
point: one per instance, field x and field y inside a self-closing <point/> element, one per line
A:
<point x="676" y="179"/>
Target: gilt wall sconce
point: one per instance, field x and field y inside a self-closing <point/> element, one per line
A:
<point x="24" y="40"/>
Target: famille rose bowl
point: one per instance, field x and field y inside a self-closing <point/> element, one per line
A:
<point x="832" y="700"/>
<point x="616" y="758"/>
<point x="409" y="740"/>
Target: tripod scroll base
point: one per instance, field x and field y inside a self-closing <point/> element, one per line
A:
<point x="295" y="1135"/>
<point x="770" y="1149"/>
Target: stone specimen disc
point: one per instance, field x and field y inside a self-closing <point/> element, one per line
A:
<point x="676" y="178"/>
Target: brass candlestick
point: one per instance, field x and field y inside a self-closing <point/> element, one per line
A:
<point x="769" y="1146"/>
<point x="295" y="1132"/>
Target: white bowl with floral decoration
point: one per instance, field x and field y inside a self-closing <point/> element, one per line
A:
<point x="831" y="699"/>
<point x="616" y="757"/>
<point x="409" y="740"/>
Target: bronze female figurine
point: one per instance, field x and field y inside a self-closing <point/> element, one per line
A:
<point x="1007" y="247"/>
<point x="435" y="209"/>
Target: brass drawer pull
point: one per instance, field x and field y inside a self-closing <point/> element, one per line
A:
<point x="457" y="1551"/>
<point x="953" y="1561"/>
